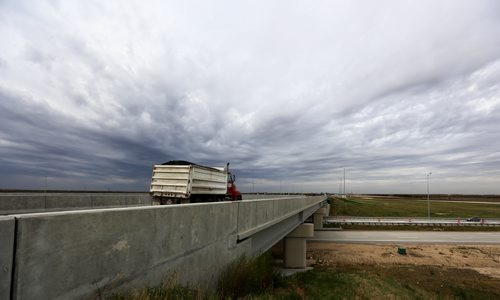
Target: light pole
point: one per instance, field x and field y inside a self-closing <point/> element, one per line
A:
<point x="428" y="201"/>
<point x="344" y="184"/>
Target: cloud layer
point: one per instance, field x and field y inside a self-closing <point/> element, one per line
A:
<point x="93" y="93"/>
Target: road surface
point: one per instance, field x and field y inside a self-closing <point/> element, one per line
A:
<point x="424" y="237"/>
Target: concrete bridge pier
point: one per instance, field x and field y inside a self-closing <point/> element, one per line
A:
<point x="318" y="217"/>
<point x="295" y="246"/>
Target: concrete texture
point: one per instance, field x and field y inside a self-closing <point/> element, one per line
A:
<point x="255" y="215"/>
<point x="318" y="217"/>
<point x="295" y="253"/>
<point x="85" y="254"/>
<point x="302" y="231"/>
<point x="318" y="221"/>
<point x="15" y="203"/>
<point x="295" y="246"/>
<point x="250" y="196"/>
<point x="322" y="210"/>
<point x="75" y="254"/>
<point x="7" y="226"/>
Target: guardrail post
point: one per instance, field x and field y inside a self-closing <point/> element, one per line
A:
<point x="295" y="246"/>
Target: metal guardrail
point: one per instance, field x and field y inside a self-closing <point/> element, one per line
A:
<point x="395" y="221"/>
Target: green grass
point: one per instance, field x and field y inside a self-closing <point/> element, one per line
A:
<point x="399" y="282"/>
<point x="246" y="276"/>
<point x="403" y="207"/>
<point x="170" y="289"/>
<point x="330" y="284"/>
<point x="258" y="278"/>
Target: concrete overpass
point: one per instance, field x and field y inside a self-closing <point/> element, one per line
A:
<point x="88" y="253"/>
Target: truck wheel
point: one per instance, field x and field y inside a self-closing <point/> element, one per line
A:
<point x="166" y="201"/>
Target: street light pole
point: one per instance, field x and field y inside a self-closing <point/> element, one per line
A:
<point x="428" y="198"/>
<point x="344" y="184"/>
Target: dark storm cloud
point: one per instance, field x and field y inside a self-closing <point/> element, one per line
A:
<point x="93" y="93"/>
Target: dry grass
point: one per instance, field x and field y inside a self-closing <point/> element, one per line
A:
<point x="170" y="289"/>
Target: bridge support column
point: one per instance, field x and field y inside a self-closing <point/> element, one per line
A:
<point x="295" y="246"/>
<point x="318" y="218"/>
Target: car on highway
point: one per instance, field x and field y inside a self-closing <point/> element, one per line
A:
<point x="474" y="219"/>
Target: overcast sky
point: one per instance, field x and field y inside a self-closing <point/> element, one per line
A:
<point x="93" y="93"/>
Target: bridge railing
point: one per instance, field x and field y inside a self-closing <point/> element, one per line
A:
<point x="256" y="215"/>
<point x="81" y="254"/>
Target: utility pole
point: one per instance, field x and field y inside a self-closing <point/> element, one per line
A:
<point x="428" y="198"/>
<point x="340" y="186"/>
<point x="45" y="194"/>
<point x="344" y="184"/>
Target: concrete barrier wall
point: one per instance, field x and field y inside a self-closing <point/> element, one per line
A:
<point x="26" y="203"/>
<point x="85" y="254"/>
<point x="20" y="204"/>
<point x="76" y="254"/>
<point x="250" y="196"/>
<point x="16" y="203"/>
<point x="255" y="215"/>
<point x="7" y="226"/>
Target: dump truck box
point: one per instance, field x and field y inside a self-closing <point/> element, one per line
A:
<point x="188" y="182"/>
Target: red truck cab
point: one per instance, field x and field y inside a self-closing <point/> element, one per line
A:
<point x="232" y="191"/>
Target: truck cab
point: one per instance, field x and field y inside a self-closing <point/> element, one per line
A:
<point x="232" y="191"/>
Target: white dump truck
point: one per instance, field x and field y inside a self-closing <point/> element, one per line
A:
<point x="177" y="182"/>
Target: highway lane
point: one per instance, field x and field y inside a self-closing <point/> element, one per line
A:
<point x="422" y="237"/>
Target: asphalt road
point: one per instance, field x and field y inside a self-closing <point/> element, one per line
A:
<point x="422" y="237"/>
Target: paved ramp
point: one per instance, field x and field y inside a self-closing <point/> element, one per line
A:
<point x="424" y="237"/>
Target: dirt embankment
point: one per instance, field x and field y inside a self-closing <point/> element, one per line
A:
<point x="427" y="271"/>
<point x="484" y="259"/>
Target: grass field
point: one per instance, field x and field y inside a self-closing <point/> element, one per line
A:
<point x="259" y="279"/>
<point x="368" y="206"/>
<point x="401" y="282"/>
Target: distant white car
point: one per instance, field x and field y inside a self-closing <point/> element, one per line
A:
<point x="474" y="219"/>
